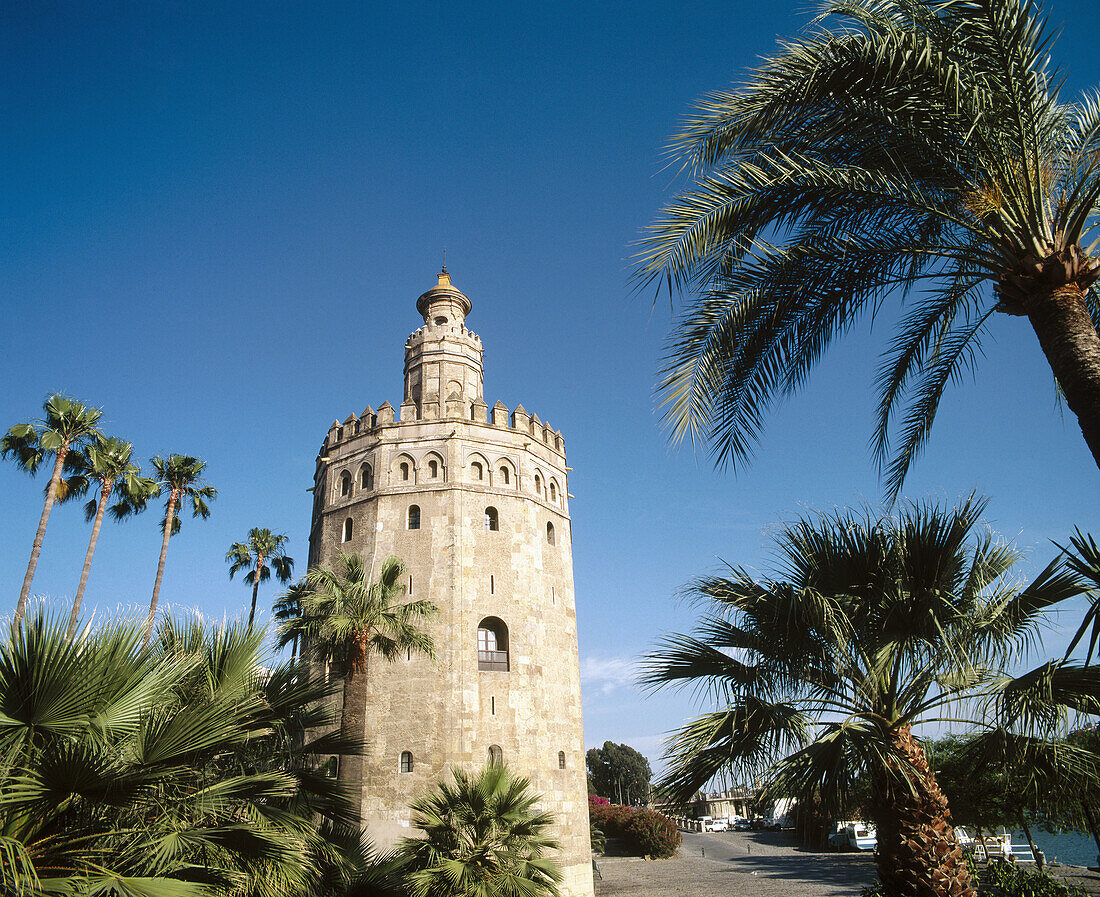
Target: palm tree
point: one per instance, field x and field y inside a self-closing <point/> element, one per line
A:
<point x="181" y="769"/>
<point x="287" y="611"/>
<point x="901" y="147"/>
<point x="180" y="477"/>
<point x="873" y="628"/>
<point x="348" y="618"/>
<point x="107" y="460"/>
<point x="262" y="553"/>
<point x="482" y="835"/>
<point x="67" y="425"/>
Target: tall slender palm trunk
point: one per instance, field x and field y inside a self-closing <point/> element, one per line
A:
<point x="36" y="548"/>
<point x="1069" y="340"/>
<point x="255" y="589"/>
<point x="918" y="853"/>
<point x="352" y="718"/>
<point x="169" y="515"/>
<point x="104" y="494"/>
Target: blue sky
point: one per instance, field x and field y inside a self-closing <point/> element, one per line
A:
<point x="217" y="219"/>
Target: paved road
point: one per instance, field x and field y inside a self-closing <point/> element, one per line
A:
<point x="755" y="864"/>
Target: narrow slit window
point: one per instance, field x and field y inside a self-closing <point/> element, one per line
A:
<point x="561" y="759"/>
<point x="410" y="584"/>
<point x="550" y="533"/>
<point x="492" y="584"/>
<point x="493" y="706"/>
<point x="414" y="517"/>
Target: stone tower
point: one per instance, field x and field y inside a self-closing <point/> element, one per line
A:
<point x="474" y="500"/>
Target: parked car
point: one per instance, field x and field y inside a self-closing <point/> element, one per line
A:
<point x="720" y="825"/>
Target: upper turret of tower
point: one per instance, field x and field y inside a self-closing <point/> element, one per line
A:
<point x="443" y="304"/>
<point x="443" y="360"/>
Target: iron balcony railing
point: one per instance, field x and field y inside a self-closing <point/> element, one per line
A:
<point x="492" y="660"/>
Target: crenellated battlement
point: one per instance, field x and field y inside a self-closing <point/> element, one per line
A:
<point x="370" y="424"/>
<point x="442" y="331"/>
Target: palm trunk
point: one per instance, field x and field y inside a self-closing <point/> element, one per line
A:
<point x="918" y="853"/>
<point x="104" y="494"/>
<point x="981" y="840"/>
<point x="255" y="590"/>
<point x="352" y="718"/>
<point x="169" y="515"/>
<point x="36" y="548"/>
<point x="1030" y="841"/>
<point x="1071" y="344"/>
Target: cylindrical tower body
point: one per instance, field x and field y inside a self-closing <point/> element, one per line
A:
<point x="475" y="502"/>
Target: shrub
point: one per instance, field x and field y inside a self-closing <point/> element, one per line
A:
<point x="641" y="832"/>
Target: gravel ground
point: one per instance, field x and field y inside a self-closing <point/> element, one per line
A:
<point x="755" y="864"/>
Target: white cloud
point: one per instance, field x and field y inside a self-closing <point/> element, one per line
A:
<point x="606" y="674"/>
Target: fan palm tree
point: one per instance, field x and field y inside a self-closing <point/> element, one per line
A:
<point x="900" y="146"/>
<point x="179" y="477"/>
<point x="482" y="835"/>
<point x="68" y="425"/>
<point x="873" y="628"/>
<point x="179" y="769"/>
<point x="107" y="461"/>
<point x="262" y="553"/>
<point x="349" y="618"/>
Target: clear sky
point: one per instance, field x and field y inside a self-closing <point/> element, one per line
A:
<point x="215" y="219"/>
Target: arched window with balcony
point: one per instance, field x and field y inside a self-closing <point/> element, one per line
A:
<point x="492" y="520"/>
<point x="492" y="645"/>
<point x="414" y="517"/>
<point x="345" y="535"/>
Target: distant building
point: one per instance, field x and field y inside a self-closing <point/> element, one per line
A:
<point x="475" y="501"/>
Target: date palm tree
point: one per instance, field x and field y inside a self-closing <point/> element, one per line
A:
<point x="263" y="552"/>
<point x="67" y="425"/>
<point x="348" y="618"/>
<point x="482" y="835"/>
<point x="901" y="148"/>
<point x="287" y="611"/>
<point x="872" y="628"/>
<point x="179" y="479"/>
<point x="107" y="461"/>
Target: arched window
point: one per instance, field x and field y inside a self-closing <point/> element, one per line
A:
<point x="366" y="477"/>
<point x="492" y="645"/>
<point x="492" y="522"/>
<point x="505" y="476"/>
<point x="414" y="516"/>
<point x="346" y="536"/>
<point x="406" y="761"/>
<point x="440" y="322"/>
<point x="496" y="755"/>
<point x="345" y="485"/>
<point x="404" y="471"/>
<point x="477" y="470"/>
<point x="433" y="469"/>
<point x="550" y="533"/>
<point x="561" y="759"/>
<point x="553" y="491"/>
<point x="538" y="485"/>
